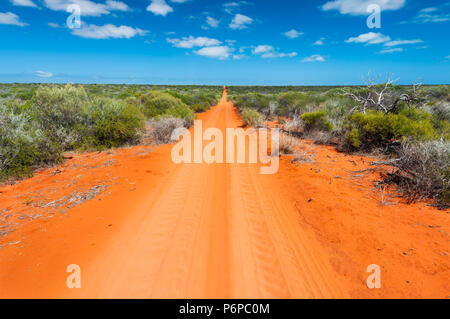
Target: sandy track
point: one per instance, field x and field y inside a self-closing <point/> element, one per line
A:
<point x="194" y="230"/>
<point x="212" y="231"/>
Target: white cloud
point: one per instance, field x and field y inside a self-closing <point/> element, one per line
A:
<point x="293" y="34"/>
<point x="262" y="49"/>
<point x="213" y="23"/>
<point x="378" y="38"/>
<point x="43" y="74"/>
<point x="314" y="58"/>
<point x="216" y="52"/>
<point x="269" y="52"/>
<point x="432" y="18"/>
<point x="369" y="38"/>
<point x="117" y="5"/>
<point x="231" y="4"/>
<point x="359" y="7"/>
<point x="427" y="10"/>
<point x="402" y="42"/>
<point x="190" y="42"/>
<point x="432" y="15"/>
<point x="159" y="7"/>
<point x="393" y="50"/>
<point x="88" y="7"/>
<point x="24" y="3"/>
<point x="240" y="21"/>
<point x="53" y="25"/>
<point x="232" y="7"/>
<point x="273" y="55"/>
<point x="11" y="18"/>
<point x="319" y="42"/>
<point x="107" y="31"/>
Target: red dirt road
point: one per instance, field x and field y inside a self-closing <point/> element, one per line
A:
<point x="208" y="231"/>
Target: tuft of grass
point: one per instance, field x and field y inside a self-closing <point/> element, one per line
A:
<point x="287" y="144"/>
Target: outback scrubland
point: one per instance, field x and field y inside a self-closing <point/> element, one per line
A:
<point x="87" y="178"/>
<point x="38" y="123"/>
<point x="408" y="125"/>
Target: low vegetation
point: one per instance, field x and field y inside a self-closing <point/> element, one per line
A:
<point x="422" y="170"/>
<point x="38" y="123"/>
<point x="251" y="117"/>
<point x="409" y="124"/>
<point x="161" y="129"/>
<point x="316" y="121"/>
<point x="287" y="144"/>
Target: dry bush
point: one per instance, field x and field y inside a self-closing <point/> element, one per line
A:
<point x="288" y="144"/>
<point x="322" y="138"/>
<point x="161" y="129"/>
<point x="422" y="171"/>
<point x="441" y="110"/>
<point x="292" y="125"/>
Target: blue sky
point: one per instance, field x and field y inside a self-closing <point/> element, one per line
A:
<point x="252" y="42"/>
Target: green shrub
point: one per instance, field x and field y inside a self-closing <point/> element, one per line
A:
<point x="58" y="119"/>
<point x="254" y="101"/>
<point x="316" y="121"/>
<point x="291" y="102"/>
<point x="157" y="103"/>
<point x="200" y="107"/>
<point x="23" y="146"/>
<point x="25" y="94"/>
<point x="58" y="110"/>
<point x="182" y="112"/>
<point x="337" y="108"/>
<point x="377" y="129"/>
<point x="354" y="138"/>
<point x="198" y="98"/>
<point x="115" y="123"/>
<point x="251" y="117"/>
<point x="132" y="101"/>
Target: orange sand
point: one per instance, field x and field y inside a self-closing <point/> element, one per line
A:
<point x="140" y="226"/>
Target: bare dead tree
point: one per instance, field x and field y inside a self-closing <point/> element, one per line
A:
<point x="382" y="97"/>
